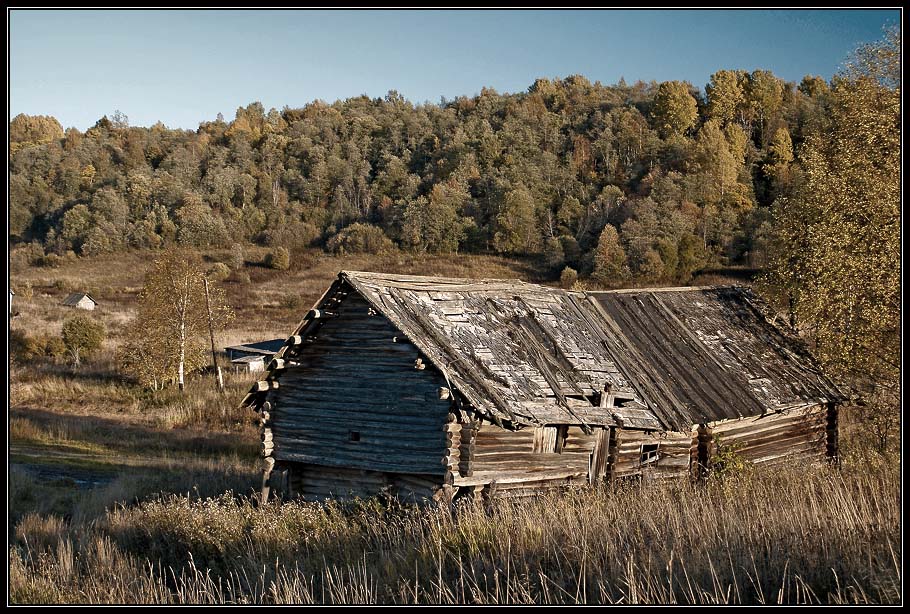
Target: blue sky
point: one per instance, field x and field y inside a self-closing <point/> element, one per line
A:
<point x="184" y="67"/>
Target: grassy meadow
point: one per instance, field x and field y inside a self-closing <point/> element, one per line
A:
<point x="121" y="495"/>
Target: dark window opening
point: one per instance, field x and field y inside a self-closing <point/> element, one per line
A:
<point x="355" y="435"/>
<point x="649" y="453"/>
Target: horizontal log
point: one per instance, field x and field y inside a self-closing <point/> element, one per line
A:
<point x="403" y="465"/>
<point x="316" y="419"/>
<point x="410" y="481"/>
<point x="522" y="465"/>
<point x="504" y="478"/>
<point x="807" y="450"/>
<point x="331" y="480"/>
<point x="793" y="416"/>
<point x="405" y="409"/>
<point x="782" y="446"/>
<point x="346" y="386"/>
<point x="771" y="430"/>
<point x="375" y="433"/>
<point x="335" y="453"/>
<point x="377" y="444"/>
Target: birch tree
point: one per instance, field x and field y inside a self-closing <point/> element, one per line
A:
<point x="837" y="251"/>
<point x="173" y="325"/>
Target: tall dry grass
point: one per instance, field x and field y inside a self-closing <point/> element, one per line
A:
<point x="798" y="535"/>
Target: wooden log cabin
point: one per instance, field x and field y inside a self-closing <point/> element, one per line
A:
<point x="431" y="388"/>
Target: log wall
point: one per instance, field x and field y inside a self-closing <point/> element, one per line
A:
<point x="801" y="433"/>
<point x="526" y="461"/>
<point x="807" y="433"/>
<point x="357" y="398"/>
<point x="669" y="454"/>
<point x="318" y="483"/>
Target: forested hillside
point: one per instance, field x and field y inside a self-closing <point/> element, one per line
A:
<point x="678" y="177"/>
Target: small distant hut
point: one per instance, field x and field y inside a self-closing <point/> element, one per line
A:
<point x="252" y="357"/>
<point x="426" y="387"/>
<point x="81" y="300"/>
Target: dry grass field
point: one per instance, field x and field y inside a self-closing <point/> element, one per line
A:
<point x="121" y="495"/>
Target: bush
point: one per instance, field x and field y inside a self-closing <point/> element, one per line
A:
<point x="240" y="277"/>
<point x="27" y="348"/>
<point x="292" y="234"/>
<point x="219" y="271"/>
<point x="25" y="291"/>
<point x="23" y="347"/>
<point x="291" y="301"/>
<point x="54" y="347"/>
<point x="360" y="239"/>
<point x="278" y="259"/>
<point x="568" y="277"/>
<point x="49" y="261"/>
<point x="82" y="336"/>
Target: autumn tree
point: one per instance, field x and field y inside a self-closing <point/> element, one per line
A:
<point x="836" y="258"/>
<point x="779" y="159"/>
<point x="764" y="95"/>
<point x="82" y="337"/>
<point x="675" y="110"/>
<point x="436" y="224"/>
<point x="516" y="223"/>
<point x="610" y="265"/>
<point x="725" y="95"/>
<point x="278" y="259"/>
<point x="172" y="326"/>
<point x="29" y="130"/>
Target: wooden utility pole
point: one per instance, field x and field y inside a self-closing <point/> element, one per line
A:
<point x="208" y="308"/>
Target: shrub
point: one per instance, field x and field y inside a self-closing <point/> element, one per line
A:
<point x="360" y="239"/>
<point x="291" y="301"/>
<point x="219" y="271"/>
<point x="26" y="348"/>
<point x="25" y="291"/>
<point x="54" y="346"/>
<point x="23" y="347"/>
<point x="240" y="277"/>
<point x="49" y="261"/>
<point x="278" y="259"/>
<point x="292" y="234"/>
<point x="568" y="277"/>
<point x="726" y="460"/>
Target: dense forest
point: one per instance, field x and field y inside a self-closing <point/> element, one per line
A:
<point x="664" y="178"/>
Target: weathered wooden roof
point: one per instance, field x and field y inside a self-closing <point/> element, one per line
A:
<point x="519" y="352"/>
<point x="654" y="359"/>
<point x="706" y="354"/>
<point x="74" y="298"/>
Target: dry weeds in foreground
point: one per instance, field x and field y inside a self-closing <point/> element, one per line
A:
<point x="796" y="535"/>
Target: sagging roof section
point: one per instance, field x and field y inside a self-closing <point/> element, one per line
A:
<point x="658" y="359"/>
<point x="705" y="354"/>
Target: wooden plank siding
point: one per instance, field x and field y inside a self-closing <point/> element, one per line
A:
<point x="529" y="459"/>
<point x="354" y="400"/>
<point x="801" y="433"/>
